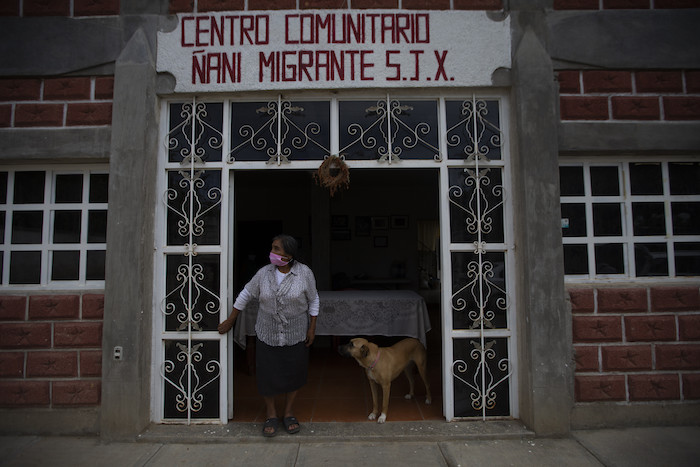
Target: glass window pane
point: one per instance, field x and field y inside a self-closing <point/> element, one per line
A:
<point x="304" y="128"/>
<point x="687" y="256"/>
<point x="651" y="259"/>
<point x="97" y="226"/>
<point x="607" y="219"/>
<point x="95" y="267"/>
<point x="205" y="285"/>
<point x="646" y="179"/>
<point x="207" y="132"/>
<point x="648" y="219"/>
<point x="684" y="178"/>
<point x="99" y="185"/>
<point x="462" y="137"/>
<point x="417" y="130"/>
<point x="207" y="198"/>
<point x="571" y="181"/>
<point x="686" y="218"/>
<point x="363" y="129"/>
<point x="492" y="288"/>
<point x="204" y="368"/>
<point x="69" y="188"/>
<point x="575" y="259"/>
<point x="25" y="267"/>
<point x="29" y="187"/>
<point x="468" y="371"/>
<point x="66" y="227"/>
<point x="2" y="228"/>
<point x="464" y="221"/>
<point x="573" y="219"/>
<point x="609" y="258"/>
<point x="253" y="125"/>
<point x="65" y="266"/>
<point x="359" y="138"/>
<point x="3" y="187"/>
<point x="605" y="181"/>
<point x="27" y="226"/>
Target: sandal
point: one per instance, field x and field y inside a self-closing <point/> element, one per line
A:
<point x="270" y="423"/>
<point x="289" y="421"/>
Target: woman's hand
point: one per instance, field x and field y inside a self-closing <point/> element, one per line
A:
<point x="226" y="325"/>
<point x="310" y="336"/>
<point x="311" y="332"/>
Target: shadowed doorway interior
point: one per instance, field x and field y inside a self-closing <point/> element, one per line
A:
<point x="368" y="236"/>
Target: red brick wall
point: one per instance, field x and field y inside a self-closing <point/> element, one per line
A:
<point x="75" y="8"/>
<point x="636" y="344"/>
<point x="671" y="95"/>
<point x="111" y="7"/>
<point x="56" y="102"/>
<point x="623" y="4"/>
<point x="184" y="6"/>
<point x="50" y="350"/>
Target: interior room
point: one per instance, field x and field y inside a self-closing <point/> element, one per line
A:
<point x="381" y="233"/>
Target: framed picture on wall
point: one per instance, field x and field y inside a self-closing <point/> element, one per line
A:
<point x="399" y="222"/>
<point x="339" y="222"/>
<point x="381" y="241"/>
<point x="340" y="234"/>
<point x="380" y="223"/>
<point x="363" y="226"/>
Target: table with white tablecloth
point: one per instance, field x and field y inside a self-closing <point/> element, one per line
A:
<point x="357" y="313"/>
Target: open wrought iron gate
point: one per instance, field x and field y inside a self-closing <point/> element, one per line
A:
<point x="191" y="365"/>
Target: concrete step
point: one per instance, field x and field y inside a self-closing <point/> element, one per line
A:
<point x="426" y="431"/>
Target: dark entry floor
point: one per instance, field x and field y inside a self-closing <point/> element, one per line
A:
<point x="338" y="391"/>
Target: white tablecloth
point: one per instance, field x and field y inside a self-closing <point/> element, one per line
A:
<point x="357" y="313"/>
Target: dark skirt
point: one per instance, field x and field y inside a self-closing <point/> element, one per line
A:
<point x="280" y="370"/>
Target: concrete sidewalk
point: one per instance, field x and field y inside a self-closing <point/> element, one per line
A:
<point x="216" y="445"/>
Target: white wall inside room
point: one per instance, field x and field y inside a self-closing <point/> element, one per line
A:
<point x="285" y="198"/>
<point x="398" y="195"/>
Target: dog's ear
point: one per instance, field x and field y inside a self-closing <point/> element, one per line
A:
<point x="364" y="351"/>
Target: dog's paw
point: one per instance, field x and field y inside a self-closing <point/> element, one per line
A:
<point x="382" y="418"/>
<point x="372" y="416"/>
<point x="428" y="401"/>
<point x="408" y="396"/>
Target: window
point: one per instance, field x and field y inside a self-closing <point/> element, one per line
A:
<point x="54" y="226"/>
<point x="631" y="219"/>
<point x="384" y="129"/>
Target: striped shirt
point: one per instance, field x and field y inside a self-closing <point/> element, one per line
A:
<point x="284" y="306"/>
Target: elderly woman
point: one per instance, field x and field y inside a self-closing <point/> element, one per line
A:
<point x="285" y="328"/>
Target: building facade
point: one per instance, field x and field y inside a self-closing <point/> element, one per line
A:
<point x="531" y="168"/>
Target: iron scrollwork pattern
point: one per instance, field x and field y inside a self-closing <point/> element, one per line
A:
<point x="394" y="128"/>
<point x="479" y="299"/>
<point x="192" y="303"/>
<point x="279" y="131"/>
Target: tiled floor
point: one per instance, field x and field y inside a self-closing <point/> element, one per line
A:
<point x="338" y="391"/>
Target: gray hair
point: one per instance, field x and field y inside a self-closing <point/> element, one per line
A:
<point x="289" y="244"/>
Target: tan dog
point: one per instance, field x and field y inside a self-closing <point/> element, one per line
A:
<point x="383" y="365"/>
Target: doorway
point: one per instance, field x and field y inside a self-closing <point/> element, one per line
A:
<point x="370" y="236"/>
<point x="443" y="181"/>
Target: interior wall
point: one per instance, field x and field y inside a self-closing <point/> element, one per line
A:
<point x="382" y="209"/>
<point x="268" y="203"/>
<point x="357" y="250"/>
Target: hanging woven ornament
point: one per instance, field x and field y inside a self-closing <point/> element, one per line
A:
<point x="333" y="174"/>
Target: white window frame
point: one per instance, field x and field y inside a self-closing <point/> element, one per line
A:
<point x="48" y="207"/>
<point x="627" y="239"/>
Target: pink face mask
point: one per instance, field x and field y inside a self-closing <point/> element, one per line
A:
<point x="277" y="260"/>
